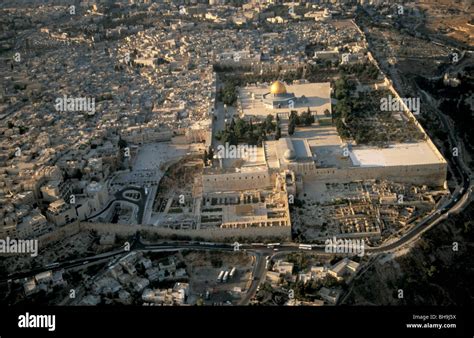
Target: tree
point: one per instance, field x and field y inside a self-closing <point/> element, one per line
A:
<point x="342" y="129"/>
<point x="122" y="143"/>
<point x="293" y="115"/>
<point x="291" y="127"/>
<point x="306" y="118"/>
<point x="251" y="138"/>
<point x="240" y="128"/>
<point x="232" y="139"/>
<point x="278" y="133"/>
<point x="343" y="107"/>
<point x="269" y="125"/>
<point x="293" y="122"/>
<point x="342" y="88"/>
<point x="22" y="129"/>
<point x="232" y="124"/>
<point x="228" y="94"/>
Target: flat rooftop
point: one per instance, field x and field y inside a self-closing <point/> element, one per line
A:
<point x="396" y="155"/>
<point x="301" y="148"/>
<point x="256" y="158"/>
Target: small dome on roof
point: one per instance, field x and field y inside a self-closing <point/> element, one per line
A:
<point x="289" y="155"/>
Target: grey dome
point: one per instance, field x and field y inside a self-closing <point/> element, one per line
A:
<point x="289" y="155"/>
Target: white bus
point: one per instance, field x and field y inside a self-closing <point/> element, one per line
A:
<point x="226" y="274"/>
<point x="221" y="274"/>
<point x="232" y="272"/>
<point x="305" y="247"/>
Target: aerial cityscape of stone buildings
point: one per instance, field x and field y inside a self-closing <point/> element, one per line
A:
<point x="159" y="83"/>
<point x="231" y="152"/>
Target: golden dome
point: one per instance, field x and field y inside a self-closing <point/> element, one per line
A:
<point x="277" y="88"/>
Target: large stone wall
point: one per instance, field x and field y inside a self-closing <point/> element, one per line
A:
<point x="429" y="174"/>
<point x="217" y="234"/>
<point x="236" y="181"/>
<point x="58" y="234"/>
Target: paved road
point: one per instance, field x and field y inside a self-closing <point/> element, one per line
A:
<point x="258" y="276"/>
<point x="72" y="263"/>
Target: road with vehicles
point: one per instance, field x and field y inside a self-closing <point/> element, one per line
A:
<point x="460" y="198"/>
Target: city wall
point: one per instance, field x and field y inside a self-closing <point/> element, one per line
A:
<point x="430" y="174"/>
<point x="215" y="234"/>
